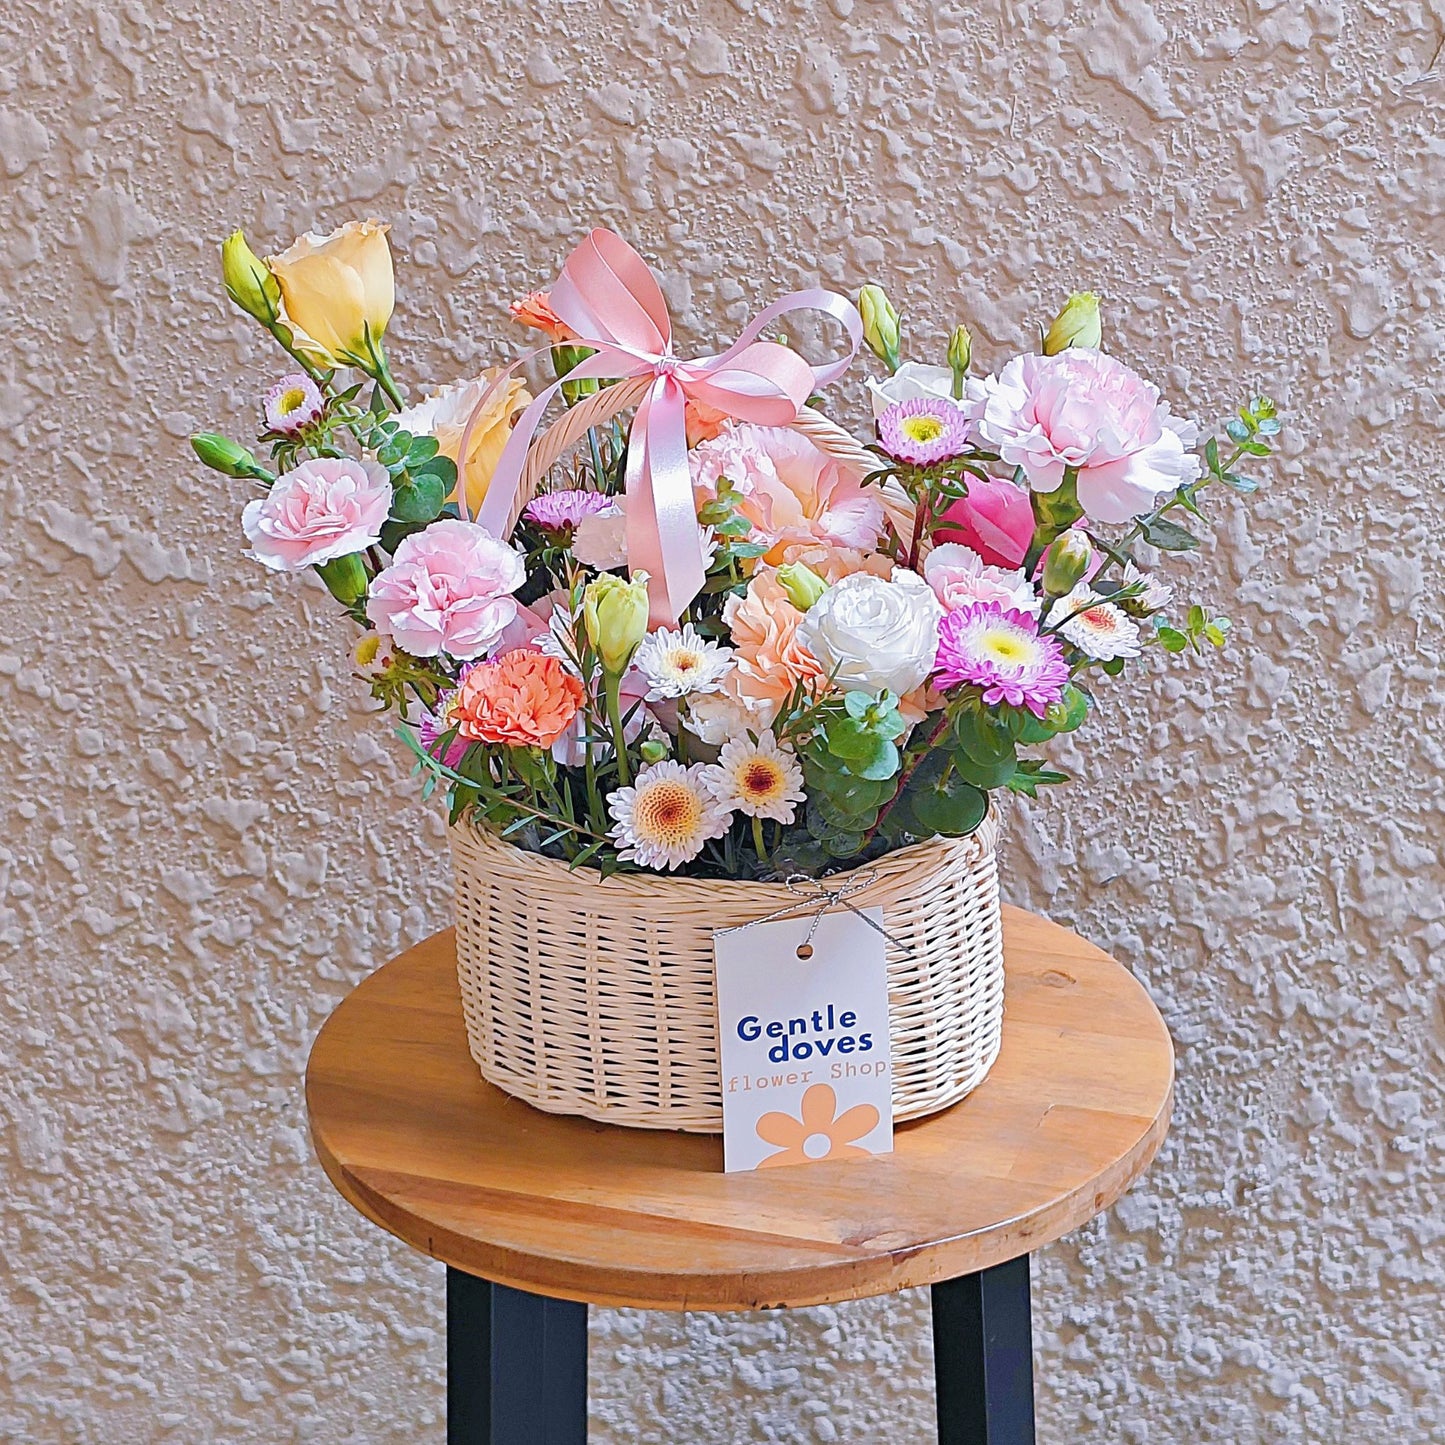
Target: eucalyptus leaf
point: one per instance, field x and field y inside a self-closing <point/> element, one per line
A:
<point x="1167" y="536"/>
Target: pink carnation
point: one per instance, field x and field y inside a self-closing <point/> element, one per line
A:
<point x="448" y="589"/>
<point x="322" y="509"/>
<point x="1083" y="409"/>
<point x="791" y="491"/>
<point x="958" y="576"/>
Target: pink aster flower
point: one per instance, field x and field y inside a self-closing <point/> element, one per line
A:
<point x="923" y="431"/>
<point x="1083" y="409"/>
<point x="433" y="726"/>
<point x="448" y="589"/>
<point x="999" y="650"/>
<point x="292" y="404"/>
<point x="562" y="511"/>
<point x="324" y="508"/>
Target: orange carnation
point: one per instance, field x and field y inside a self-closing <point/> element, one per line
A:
<point x="535" y="310"/>
<point x="522" y="698"/>
<point x="768" y="658"/>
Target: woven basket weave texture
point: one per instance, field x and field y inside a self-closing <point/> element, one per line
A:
<point x="595" y="996"/>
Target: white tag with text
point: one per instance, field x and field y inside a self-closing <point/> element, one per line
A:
<point x="806" y="1066"/>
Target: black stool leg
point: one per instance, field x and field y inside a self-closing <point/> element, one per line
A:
<point x="983" y="1357"/>
<point x="516" y="1366"/>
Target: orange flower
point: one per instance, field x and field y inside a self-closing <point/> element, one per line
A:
<point x="769" y="660"/>
<point x="821" y="1123"/>
<point x="833" y="564"/>
<point x="704" y="422"/>
<point x="535" y="310"/>
<point x="522" y="698"/>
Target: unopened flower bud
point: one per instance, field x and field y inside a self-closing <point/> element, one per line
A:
<point x="345" y="578"/>
<point x="1078" y="324"/>
<point x="615" y="613"/>
<point x="652" y="750"/>
<point x="960" y="353"/>
<point x="1066" y="561"/>
<point x="249" y="282"/>
<point x="880" y="325"/>
<point x="803" y="585"/>
<point x="223" y="455"/>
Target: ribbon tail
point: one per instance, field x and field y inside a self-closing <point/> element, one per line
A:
<point x="663" y="539"/>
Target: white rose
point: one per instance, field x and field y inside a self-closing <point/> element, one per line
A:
<point x="915" y="379"/>
<point x="871" y="633"/>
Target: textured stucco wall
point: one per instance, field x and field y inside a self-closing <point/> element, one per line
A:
<point x="204" y="842"/>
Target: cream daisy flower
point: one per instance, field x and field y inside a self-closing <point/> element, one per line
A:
<point x="1153" y="594"/>
<point x="677" y="664"/>
<point x="1095" y="626"/>
<point x="761" y="779"/>
<point x="666" y="816"/>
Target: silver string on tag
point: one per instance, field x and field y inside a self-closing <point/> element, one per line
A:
<point x="820" y="900"/>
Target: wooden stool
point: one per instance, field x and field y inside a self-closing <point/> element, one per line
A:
<point x="536" y="1215"/>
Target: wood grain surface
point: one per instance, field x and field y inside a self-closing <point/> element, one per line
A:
<point x="407" y="1130"/>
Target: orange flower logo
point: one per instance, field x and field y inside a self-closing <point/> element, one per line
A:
<point x="818" y="1134"/>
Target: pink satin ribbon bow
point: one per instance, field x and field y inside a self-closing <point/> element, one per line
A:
<point x="608" y="295"/>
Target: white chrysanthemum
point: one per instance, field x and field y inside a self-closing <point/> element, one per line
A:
<point x="677" y="664"/>
<point x="761" y="779"/>
<point x="1095" y="626"/>
<point x="1153" y="595"/>
<point x="664" y="819"/>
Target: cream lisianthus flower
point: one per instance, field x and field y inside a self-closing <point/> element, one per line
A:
<point x="444" y="415"/>
<point x="338" y="291"/>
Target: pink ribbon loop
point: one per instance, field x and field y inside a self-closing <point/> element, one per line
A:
<point x="609" y="297"/>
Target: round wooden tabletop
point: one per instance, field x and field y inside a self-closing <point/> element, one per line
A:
<point x="1069" y="1117"/>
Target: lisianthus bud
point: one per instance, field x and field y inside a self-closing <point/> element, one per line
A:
<point x="652" y="750"/>
<point x="803" y="585"/>
<point x="615" y="614"/>
<point x="880" y="325"/>
<point x="249" y="282"/>
<point x="1078" y="324"/>
<point x="1066" y="561"/>
<point x="960" y="353"/>
<point x="223" y="455"/>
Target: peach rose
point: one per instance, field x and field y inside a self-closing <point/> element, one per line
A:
<point x="523" y="698"/>
<point x="769" y="661"/>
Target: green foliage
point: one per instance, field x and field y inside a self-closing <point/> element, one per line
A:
<point x="938" y="799"/>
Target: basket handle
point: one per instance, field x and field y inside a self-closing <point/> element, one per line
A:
<point x="564" y="433"/>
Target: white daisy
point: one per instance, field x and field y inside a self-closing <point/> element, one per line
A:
<point x="666" y="816"/>
<point x="761" y="779"/>
<point x="1154" y="594"/>
<point x="677" y="664"/>
<point x="1095" y="626"/>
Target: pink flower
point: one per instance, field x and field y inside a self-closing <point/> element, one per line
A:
<point x="923" y="431"/>
<point x="995" y="519"/>
<point x="292" y="404"/>
<point x="791" y="491"/>
<point x="958" y="576"/>
<point x="322" y="509"/>
<point x="562" y="511"/>
<point x="999" y="651"/>
<point x="1083" y="409"/>
<point x="448" y="590"/>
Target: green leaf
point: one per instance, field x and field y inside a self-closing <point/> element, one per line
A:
<point x="1256" y="449"/>
<point x="881" y="763"/>
<point x="984" y="749"/>
<point x="950" y="805"/>
<point x="443" y="467"/>
<point x="422" y="449"/>
<point x="1197" y="619"/>
<point x="1211" y="456"/>
<point x="1171" y="639"/>
<point x="420" y="501"/>
<point x="1168" y="536"/>
<point x="1243" y="485"/>
<point x="1114" y="666"/>
<point x="857" y="703"/>
<point x="1215" y="634"/>
<point x="394" y="533"/>
<point x="1239" y="431"/>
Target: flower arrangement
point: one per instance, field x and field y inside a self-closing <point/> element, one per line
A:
<point x="714" y="645"/>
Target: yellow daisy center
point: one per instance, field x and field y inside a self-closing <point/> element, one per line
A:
<point x="760" y="780"/>
<point x="292" y="399"/>
<point x="1006" y="646"/>
<point x="685" y="662"/>
<point x="668" y="812"/>
<point x="923" y="428"/>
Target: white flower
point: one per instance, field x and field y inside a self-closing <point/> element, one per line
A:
<point x="959" y="576"/>
<point x="714" y="717"/>
<point x="1153" y="593"/>
<point x="601" y="540"/>
<point x="914" y="379"/>
<point x="1095" y="626"/>
<point x="761" y="779"/>
<point x="678" y="663"/>
<point x="870" y="633"/>
<point x="666" y="816"/>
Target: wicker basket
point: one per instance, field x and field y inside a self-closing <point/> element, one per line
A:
<point x="594" y="996"/>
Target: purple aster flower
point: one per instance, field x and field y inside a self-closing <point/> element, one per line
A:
<point x="561" y="511"/>
<point x="924" y="430"/>
<point x="433" y="726"/>
<point x="293" y="404"/>
<point x="1000" y="650"/>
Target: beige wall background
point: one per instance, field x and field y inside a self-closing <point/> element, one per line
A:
<point x="206" y="842"/>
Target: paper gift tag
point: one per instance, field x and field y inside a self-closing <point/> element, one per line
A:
<point x="806" y="1065"/>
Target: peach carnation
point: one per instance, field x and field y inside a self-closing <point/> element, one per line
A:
<point x="535" y="310"/>
<point x="769" y="661"/>
<point x="522" y="698"/>
<point x="833" y="564"/>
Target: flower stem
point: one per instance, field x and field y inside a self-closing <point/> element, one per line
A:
<point x="945" y="720"/>
<point x="758" y="841"/>
<point x="612" y="686"/>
